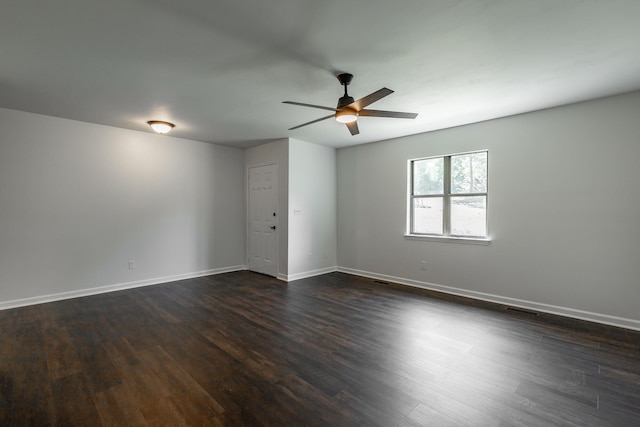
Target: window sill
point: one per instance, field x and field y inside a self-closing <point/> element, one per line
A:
<point x="447" y="239"/>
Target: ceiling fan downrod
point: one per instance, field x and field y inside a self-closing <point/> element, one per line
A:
<point x="345" y="80"/>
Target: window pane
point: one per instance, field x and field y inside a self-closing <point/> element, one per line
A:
<point x="469" y="216"/>
<point x="427" y="215"/>
<point x="428" y="176"/>
<point x="469" y="173"/>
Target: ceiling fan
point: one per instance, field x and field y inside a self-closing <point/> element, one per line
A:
<point x="348" y="110"/>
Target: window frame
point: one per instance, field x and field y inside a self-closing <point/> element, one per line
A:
<point x="446" y="197"/>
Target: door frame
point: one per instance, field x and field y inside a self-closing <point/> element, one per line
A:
<point x="276" y="255"/>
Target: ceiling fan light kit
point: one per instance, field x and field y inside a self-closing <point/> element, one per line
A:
<point x="346" y="115"/>
<point x="348" y="110"/>
<point x="160" y="126"/>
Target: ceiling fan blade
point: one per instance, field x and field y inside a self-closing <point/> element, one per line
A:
<point x="353" y="127"/>
<point x="392" y="114"/>
<point x="370" y="99"/>
<point x="313" y="121"/>
<point x="309" y="105"/>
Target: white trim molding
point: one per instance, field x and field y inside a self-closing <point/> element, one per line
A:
<point x="605" y="319"/>
<point x="448" y="239"/>
<point x="305" y="274"/>
<point x="5" y="305"/>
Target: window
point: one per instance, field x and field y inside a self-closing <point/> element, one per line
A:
<point x="448" y="196"/>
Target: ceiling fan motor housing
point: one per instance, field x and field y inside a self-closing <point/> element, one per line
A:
<point x="344" y="101"/>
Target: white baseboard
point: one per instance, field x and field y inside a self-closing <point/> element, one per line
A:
<point x="4" y="305"/>
<point x="513" y="302"/>
<point x="304" y="275"/>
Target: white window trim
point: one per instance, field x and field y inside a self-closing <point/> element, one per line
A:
<point x="448" y="239"/>
<point x="482" y="241"/>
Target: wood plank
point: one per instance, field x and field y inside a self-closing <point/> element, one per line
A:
<point x="245" y="349"/>
<point x="74" y="402"/>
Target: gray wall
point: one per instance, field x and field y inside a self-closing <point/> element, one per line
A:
<point x="312" y="209"/>
<point x="564" y="212"/>
<point x="78" y="201"/>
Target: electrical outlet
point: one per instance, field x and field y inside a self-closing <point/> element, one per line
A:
<point x="132" y="264"/>
<point x="423" y="265"/>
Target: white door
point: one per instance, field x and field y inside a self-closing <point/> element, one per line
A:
<point x="263" y="220"/>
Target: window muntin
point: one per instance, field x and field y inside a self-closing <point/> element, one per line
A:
<point x="448" y="195"/>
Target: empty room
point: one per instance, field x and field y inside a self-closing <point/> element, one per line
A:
<point x="305" y="213"/>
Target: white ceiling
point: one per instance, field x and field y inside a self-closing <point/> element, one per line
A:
<point x="220" y="69"/>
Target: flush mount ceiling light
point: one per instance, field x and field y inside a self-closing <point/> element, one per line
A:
<point x="160" y="126"/>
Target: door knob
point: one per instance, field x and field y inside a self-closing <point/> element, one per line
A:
<point x="273" y="227"/>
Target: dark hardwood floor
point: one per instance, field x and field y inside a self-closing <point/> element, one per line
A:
<point x="241" y="349"/>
